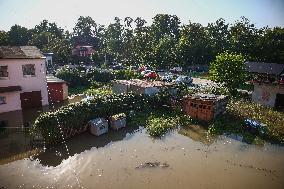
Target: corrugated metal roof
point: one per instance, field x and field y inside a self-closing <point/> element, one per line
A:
<point x="52" y="79"/>
<point x="264" y="68"/>
<point x="20" y="52"/>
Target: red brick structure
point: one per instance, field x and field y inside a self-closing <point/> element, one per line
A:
<point x="57" y="89"/>
<point x="204" y="107"/>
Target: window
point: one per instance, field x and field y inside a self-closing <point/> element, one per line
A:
<point x="28" y="69"/>
<point x="3" y="71"/>
<point x="2" y="100"/>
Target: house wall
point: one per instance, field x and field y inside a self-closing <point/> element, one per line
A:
<point x="28" y="84"/>
<point x="13" y="101"/>
<point x="265" y="94"/>
<point x="65" y="91"/>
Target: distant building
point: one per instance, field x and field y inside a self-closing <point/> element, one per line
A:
<point x="268" y="83"/>
<point x="83" y="51"/>
<point x="48" y="59"/>
<point x="22" y="78"/>
<point x="204" y="107"/>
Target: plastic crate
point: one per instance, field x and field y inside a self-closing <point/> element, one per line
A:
<point x="98" y="126"/>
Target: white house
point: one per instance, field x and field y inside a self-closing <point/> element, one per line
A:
<point x="22" y="78"/>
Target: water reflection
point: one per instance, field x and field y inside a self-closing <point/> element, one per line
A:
<point x="14" y="129"/>
<point x="190" y="164"/>
<point x="80" y="143"/>
<point x="197" y="133"/>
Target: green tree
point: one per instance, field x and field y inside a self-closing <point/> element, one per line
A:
<point x="164" y="36"/>
<point x="193" y="46"/>
<point x="4" y="38"/>
<point x="19" y="36"/>
<point x="85" y="32"/>
<point x="228" y="68"/>
<point x="244" y="36"/>
<point x="218" y="37"/>
<point x="114" y="40"/>
<point x="270" y="46"/>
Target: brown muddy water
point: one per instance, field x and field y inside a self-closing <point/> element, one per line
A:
<point x="182" y="159"/>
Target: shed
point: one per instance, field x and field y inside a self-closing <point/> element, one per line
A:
<point x="204" y="107"/>
<point x="57" y="89"/>
<point x="268" y="83"/>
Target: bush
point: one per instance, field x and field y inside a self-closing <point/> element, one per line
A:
<point x="100" y="76"/>
<point x="228" y="68"/>
<point x="126" y="74"/>
<point x="74" y="77"/>
<point x="53" y="125"/>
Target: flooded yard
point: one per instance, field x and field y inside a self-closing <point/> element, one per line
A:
<point x="129" y="158"/>
<point x="14" y="128"/>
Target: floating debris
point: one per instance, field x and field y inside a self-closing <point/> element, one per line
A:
<point x="152" y="164"/>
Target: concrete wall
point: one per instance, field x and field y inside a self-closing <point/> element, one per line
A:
<point x="65" y="91"/>
<point x="119" y="88"/>
<point x="265" y="94"/>
<point x="28" y="84"/>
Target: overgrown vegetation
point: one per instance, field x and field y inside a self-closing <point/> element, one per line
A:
<point x="79" y="77"/>
<point x="228" y="68"/>
<point x="74" y="117"/>
<point x="234" y="121"/>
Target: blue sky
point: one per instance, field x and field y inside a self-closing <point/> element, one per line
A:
<point x="28" y="13"/>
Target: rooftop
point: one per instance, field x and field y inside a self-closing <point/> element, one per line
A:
<point x="265" y="68"/>
<point x="52" y="79"/>
<point x="206" y="97"/>
<point x="143" y="83"/>
<point x="20" y="52"/>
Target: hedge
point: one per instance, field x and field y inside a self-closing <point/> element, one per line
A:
<point x="71" y="119"/>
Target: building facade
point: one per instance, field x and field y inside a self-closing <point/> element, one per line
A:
<point x="204" y="107"/>
<point x="57" y="89"/>
<point x="83" y="51"/>
<point x="268" y="83"/>
<point x="22" y="78"/>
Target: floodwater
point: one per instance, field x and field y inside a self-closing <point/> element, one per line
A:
<point x="14" y="134"/>
<point x="187" y="158"/>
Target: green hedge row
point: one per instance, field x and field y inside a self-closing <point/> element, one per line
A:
<point x="77" y="77"/>
<point x="73" y="117"/>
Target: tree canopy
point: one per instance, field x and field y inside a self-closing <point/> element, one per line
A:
<point x="164" y="43"/>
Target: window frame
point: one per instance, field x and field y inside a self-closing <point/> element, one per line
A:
<point x="29" y="75"/>
<point x="3" y="101"/>
<point x="4" y="77"/>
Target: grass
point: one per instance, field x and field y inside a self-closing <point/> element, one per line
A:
<point x="238" y="111"/>
<point x="77" y="90"/>
<point x="159" y="122"/>
<point x="96" y="88"/>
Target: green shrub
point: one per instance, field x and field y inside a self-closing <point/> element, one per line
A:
<point x="74" y="77"/>
<point x="75" y="116"/>
<point x="228" y="68"/>
<point x="126" y="74"/>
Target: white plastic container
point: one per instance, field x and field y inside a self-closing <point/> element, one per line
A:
<point x="118" y="121"/>
<point x="98" y="126"/>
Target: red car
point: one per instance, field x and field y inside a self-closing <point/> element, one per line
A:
<point x="151" y="75"/>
